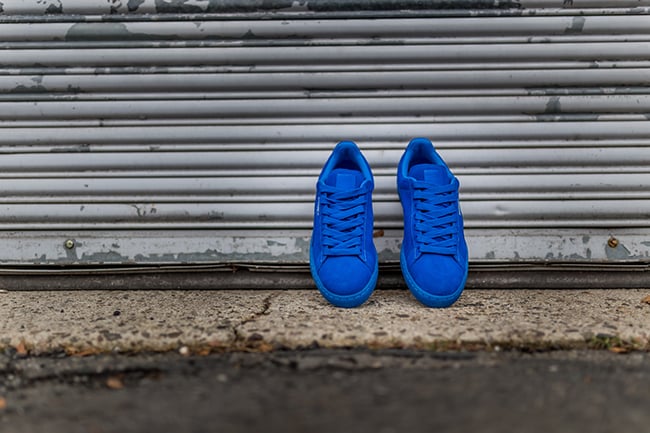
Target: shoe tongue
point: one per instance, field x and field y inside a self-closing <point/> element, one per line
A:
<point x="430" y="173"/>
<point x="345" y="181"/>
<point x="436" y="175"/>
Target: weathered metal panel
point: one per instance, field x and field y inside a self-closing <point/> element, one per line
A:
<point x="290" y="7"/>
<point x="208" y="30"/>
<point x="263" y="249"/>
<point x="160" y="132"/>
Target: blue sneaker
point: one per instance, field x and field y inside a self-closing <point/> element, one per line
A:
<point x="434" y="253"/>
<point x="342" y="255"/>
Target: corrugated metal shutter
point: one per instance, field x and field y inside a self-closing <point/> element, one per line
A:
<point x="172" y="132"/>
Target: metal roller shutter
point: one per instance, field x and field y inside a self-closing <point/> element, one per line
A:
<point x="192" y="132"/>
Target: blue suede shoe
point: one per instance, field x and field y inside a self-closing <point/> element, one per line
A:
<point x="342" y="255"/>
<point x="434" y="253"/>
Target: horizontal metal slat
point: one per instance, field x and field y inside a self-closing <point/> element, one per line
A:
<point x="321" y="81"/>
<point x="291" y="188"/>
<point x="301" y="158"/>
<point x="311" y="55"/>
<point x="319" y="107"/>
<point x="236" y="31"/>
<point x="378" y="171"/>
<point x="568" y="132"/>
<point x="243" y="185"/>
<point x="172" y="96"/>
<point x="381" y="66"/>
<point x="290" y="8"/>
<point x="324" y="42"/>
<point x="376" y="144"/>
<point x="328" y="120"/>
<point x="531" y="213"/>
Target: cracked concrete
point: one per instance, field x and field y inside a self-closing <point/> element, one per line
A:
<point x="394" y="319"/>
<point x="86" y="322"/>
<point x="98" y="321"/>
<point x="240" y="337"/>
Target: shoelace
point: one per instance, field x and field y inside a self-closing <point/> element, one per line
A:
<point x="343" y="220"/>
<point x="436" y="216"/>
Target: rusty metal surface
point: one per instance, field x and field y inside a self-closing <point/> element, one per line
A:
<point x="285" y="249"/>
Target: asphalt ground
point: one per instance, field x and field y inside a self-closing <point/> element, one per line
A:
<point x="328" y="390"/>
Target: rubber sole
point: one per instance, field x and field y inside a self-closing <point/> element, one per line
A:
<point x="345" y="301"/>
<point x="426" y="298"/>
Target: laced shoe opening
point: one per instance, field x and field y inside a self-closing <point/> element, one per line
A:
<point x="435" y="200"/>
<point x="343" y="209"/>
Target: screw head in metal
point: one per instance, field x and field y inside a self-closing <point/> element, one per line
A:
<point x="69" y="244"/>
<point x="612" y="242"/>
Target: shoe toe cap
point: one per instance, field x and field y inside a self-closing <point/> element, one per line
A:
<point x="437" y="275"/>
<point x="344" y="275"/>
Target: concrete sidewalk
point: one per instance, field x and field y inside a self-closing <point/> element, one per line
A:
<point x="88" y="322"/>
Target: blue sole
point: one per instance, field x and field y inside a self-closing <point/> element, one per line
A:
<point x="426" y="298"/>
<point x="345" y="301"/>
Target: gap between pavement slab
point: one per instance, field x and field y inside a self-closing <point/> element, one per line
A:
<point x="88" y="322"/>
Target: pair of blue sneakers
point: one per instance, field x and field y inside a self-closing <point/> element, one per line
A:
<point x="343" y="258"/>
